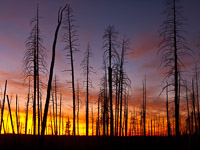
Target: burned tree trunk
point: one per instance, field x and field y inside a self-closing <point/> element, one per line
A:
<point x="110" y="54"/>
<point x="172" y="48"/>
<point x="78" y="107"/>
<point x="44" y="120"/>
<point x="144" y="106"/>
<point x="193" y="103"/>
<point x="70" y="38"/>
<point x="87" y="70"/>
<point x="17" y="122"/>
<point x="10" y="112"/>
<point x="2" y="109"/>
<point x="188" y="109"/>
<point x="60" y="114"/>
<point x="27" y="103"/>
<point x="167" y="109"/>
<point x="197" y="94"/>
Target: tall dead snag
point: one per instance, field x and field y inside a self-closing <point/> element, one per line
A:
<point x="70" y="37"/>
<point x="78" y="102"/>
<point x="17" y="122"/>
<point x="27" y="104"/>
<point x="34" y="63"/>
<point x="144" y="106"/>
<point x="10" y="112"/>
<point x="56" y="107"/>
<point x="110" y="55"/>
<point x="97" y="121"/>
<point x="193" y="104"/>
<point x="103" y="91"/>
<point x="60" y="114"/>
<point x="92" y="121"/>
<point x="167" y="109"/>
<point x="126" y="98"/>
<point x="2" y="108"/>
<point x="54" y="122"/>
<point x="172" y="47"/>
<point x="44" y="120"/>
<point x="188" y="109"/>
<point x="124" y="80"/>
<point x="87" y="70"/>
<point x="117" y="93"/>
<point x="197" y="96"/>
<point x="40" y="107"/>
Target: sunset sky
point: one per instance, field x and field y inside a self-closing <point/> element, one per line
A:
<point x="137" y="20"/>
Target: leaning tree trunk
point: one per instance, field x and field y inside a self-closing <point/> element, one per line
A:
<point x="10" y="112"/>
<point x="2" y="109"/>
<point x="44" y="121"/>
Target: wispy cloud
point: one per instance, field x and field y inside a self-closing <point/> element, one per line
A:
<point x="147" y="45"/>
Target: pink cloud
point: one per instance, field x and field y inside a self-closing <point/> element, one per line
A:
<point x="147" y="45"/>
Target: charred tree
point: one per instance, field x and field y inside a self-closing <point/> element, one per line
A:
<point x="87" y="70"/>
<point x="171" y="48"/>
<point x="60" y="114"/>
<point x="197" y="96"/>
<point x="78" y="103"/>
<point x="193" y="104"/>
<point x="2" y="108"/>
<point x="105" y="97"/>
<point x="16" y="113"/>
<point x="124" y="80"/>
<point x="70" y="37"/>
<point x="27" y="104"/>
<point x="34" y="63"/>
<point x="110" y="55"/>
<point x="144" y="106"/>
<point x="44" y="120"/>
<point x="167" y="109"/>
<point x="188" y="109"/>
<point x="56" y="106"/>
<point x="10" y="112"/>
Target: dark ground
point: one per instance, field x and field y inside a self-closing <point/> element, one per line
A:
<point x="29" y="142"/>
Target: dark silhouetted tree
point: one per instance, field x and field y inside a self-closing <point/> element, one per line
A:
<point x="167" y="110"/>
<point x="87" y="70"/>
<point x="71" y="38"/>
<point x="44" y="120"/>
<point x="111" y="57"/>
<point x="16" y="113"/>
<point x="188" y="108"/>
<point x="124" y="80"/>
<point x="172" y="48"/>
<point x="27" y="104"/>
<point x="34" y="63"/>
<point x="144" y="106"/>
<point x="193" y="104"/>
<point x="78" y="105"/>
<point x="60" y="114"/>
<point x="10" y="112"/>
<point x="2" y="108"/>
<point x="103" y="92"/>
